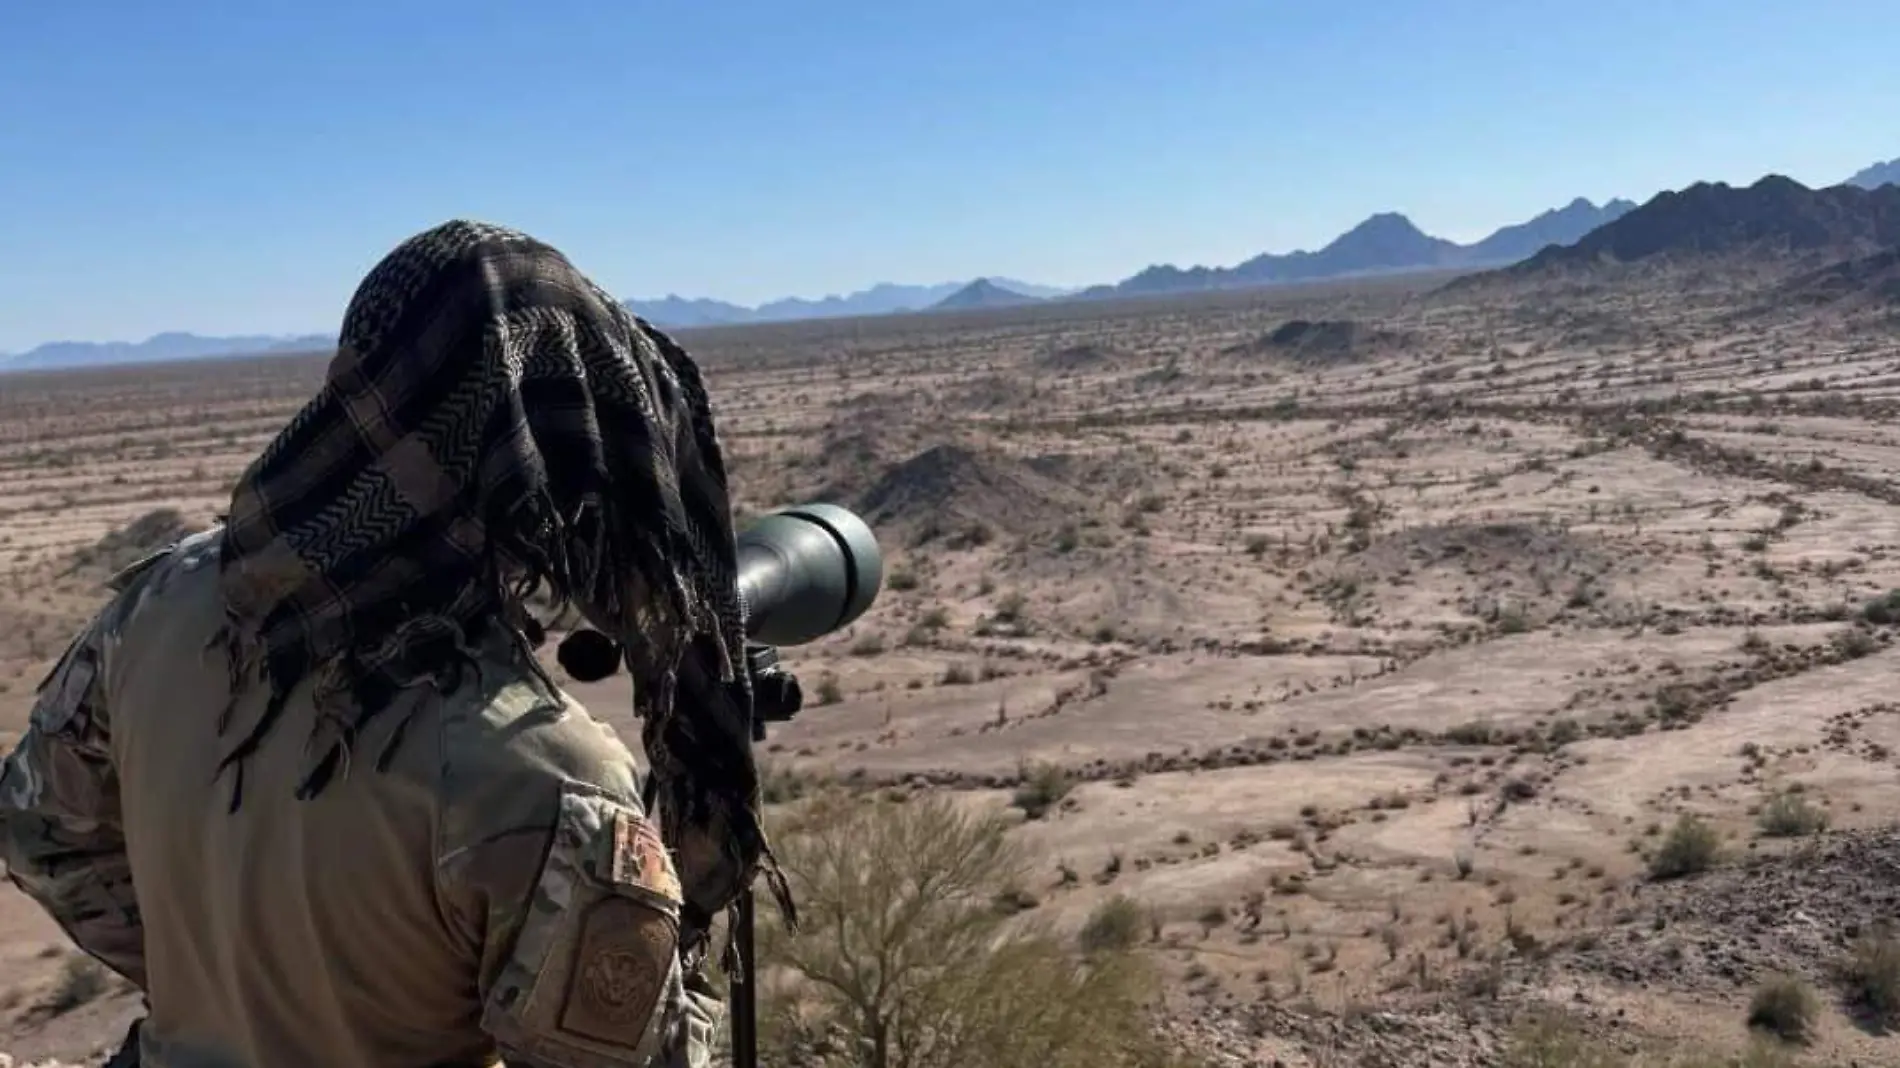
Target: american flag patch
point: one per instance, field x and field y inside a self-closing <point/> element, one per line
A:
<point x="640" y="858"/>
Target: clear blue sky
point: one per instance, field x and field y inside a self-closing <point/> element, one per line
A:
<point x="234" y="167"/>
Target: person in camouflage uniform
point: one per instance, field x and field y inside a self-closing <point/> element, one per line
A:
<point x="303" y="780"/>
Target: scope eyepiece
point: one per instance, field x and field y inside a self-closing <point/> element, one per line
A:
<point x="588" y="655"/>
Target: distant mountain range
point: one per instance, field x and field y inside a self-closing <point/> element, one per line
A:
<point x="1387" y="243"/>
<point x="1777" y="212"/>
<point x="884" y="298"/>
<point x="159" y="348"/>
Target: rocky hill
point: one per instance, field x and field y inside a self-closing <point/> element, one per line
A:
<point x="1864" y="282"/>
<point x="1775" y="218"/>
<point x="1879" y="174"/>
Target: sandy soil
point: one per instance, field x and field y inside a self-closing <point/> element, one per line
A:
<point x="1379" y="663"/>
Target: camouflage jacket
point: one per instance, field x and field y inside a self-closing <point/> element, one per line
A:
<point x="490" y="889"/>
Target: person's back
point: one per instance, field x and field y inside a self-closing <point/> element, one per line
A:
<point x="303" y="782"/>
<point x="341" y="929"/>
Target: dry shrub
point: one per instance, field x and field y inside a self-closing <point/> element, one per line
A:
<point x="1692" y="847"/>
<point x="1043" y="787"/>
<point x="781" y="784"/>
<point x="1115" y="926"/>
<point x="1790" y="815"/>
<point x="1783" y="1006"/>
<point x="1872" y="971"/>
<point x="903" y="959"/>
<point x="1551" y="1041"/>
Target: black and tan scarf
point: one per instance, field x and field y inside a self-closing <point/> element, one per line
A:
<point x="495" y="424"/>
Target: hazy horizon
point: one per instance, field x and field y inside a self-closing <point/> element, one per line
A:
<point x="222" y="170"/>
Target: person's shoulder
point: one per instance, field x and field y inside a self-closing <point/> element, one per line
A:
<point x="519" y="722"/>
<point x="175" y="579"/>
<point x="511" y="743"/>
<point x="169" y="575"/>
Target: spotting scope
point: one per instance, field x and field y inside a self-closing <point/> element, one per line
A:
<point x="804" y="572"/>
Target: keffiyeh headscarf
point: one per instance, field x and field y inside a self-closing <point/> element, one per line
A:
<point x="495" y="424"/>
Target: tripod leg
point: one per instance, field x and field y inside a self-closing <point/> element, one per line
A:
<point x="745" y="1005"/>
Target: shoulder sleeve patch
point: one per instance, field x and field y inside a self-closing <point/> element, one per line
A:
<point x="622" y="955"/>
<point x="593" y="979"/>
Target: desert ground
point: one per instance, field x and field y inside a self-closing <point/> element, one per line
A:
<point x="1376" y="638"/>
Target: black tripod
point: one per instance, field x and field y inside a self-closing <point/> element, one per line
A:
<point x="776" y="698"/>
